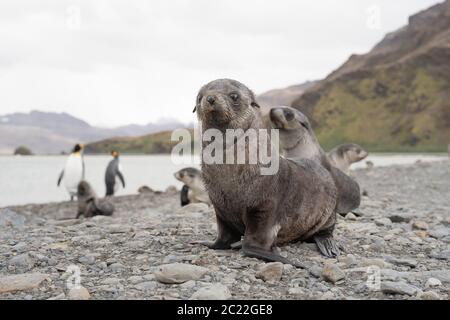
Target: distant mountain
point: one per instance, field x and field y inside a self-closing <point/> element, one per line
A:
<point x="49" y="132"/>
<point x="285" y="96"/>
<point x="396" y="97"/>
<point x="155" y="143"/>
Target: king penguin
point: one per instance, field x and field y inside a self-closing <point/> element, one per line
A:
<point x="113" y="171"/>
<point x="73" y="172"/>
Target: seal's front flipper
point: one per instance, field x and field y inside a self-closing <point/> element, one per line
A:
<point x="269" y="256"/>
<point x="327" y="245"/>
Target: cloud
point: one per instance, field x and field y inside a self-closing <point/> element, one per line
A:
<point x="113" y="62"/>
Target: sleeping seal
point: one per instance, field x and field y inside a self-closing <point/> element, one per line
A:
<point x="344" y="155"/>
<point x="88" y="203"/>
<point x="298" y="141"/>
<point x="193" y="190"/>
<point x="296" y="203"/>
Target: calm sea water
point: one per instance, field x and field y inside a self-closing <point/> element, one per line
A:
<point x="33" y="179"/>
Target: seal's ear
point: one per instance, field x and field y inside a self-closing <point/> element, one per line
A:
<point x="195" y="109"/>
<point x="254" y="104"/>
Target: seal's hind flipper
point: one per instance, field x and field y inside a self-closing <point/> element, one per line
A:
<point x="327" y="245"/>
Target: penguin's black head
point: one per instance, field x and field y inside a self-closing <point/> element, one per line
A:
<point x="78" y="147"/>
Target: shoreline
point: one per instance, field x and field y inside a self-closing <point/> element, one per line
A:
<point x="403" y="236"/>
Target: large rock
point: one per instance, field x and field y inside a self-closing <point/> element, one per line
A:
<point x="22" y="261"/>
<point x="179" y="273"/>
<point x="21" y="282"/>
<point x="215" y="291"/>
<point x="332" y="273"/>
<point x="270" y="272"/>
<point x="398" y="288"/>
<point x="79" y="293"/>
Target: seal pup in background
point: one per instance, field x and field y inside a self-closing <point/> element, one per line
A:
<point x="113" y="171"/>
<point x="296" y="203"/>
<point x="74" y="171"/>
<point x="88" y="203"/>
<point x="298" y="141"/>
<point x="193" y="190"/>
<point x="344" y="155"/>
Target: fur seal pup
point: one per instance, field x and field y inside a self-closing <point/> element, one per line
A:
<point x="193" y="190"/>
<point x="344" y="155"/>
<point x="297" y="202"/>
<point x="113" y="171"/>
<point x="73" y="171"/>
<point x="88" y="203"/>
<point x="298" y="141"/>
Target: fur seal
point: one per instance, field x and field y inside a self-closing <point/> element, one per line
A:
<point x="113" y="171"/>
<point x="298" y="202"/>
<point x="193" y="190"/>
<point x="298" y="141"/>
<point x="73" y="171"/>
<point x="344" y="155"/>
<point x="88" y="203"/>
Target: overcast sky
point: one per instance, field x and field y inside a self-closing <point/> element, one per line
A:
<point x="118" y="62"/>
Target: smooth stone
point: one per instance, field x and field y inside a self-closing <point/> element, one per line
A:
<point x="215" y="291"/>
<point x="296" y="291"/>
<point x="21" y="282"/>
<point x="80" y="293"/>
<point x="419" y="225"/>
<point x="179" y="273"/>
<point x="429" y="295"/>
<point x="440" y="232"/>
<point x="89" y="259"/>
<point x="383" y="222"/>
<point x="433" y="282"/>
<point x="374" y="262"/>
<point x="402" y="261"/>
<point x="146" y="286"/>
<point x="270" y="272"/>
<point x="332" y="273"/>
<point x="22" y="261"/>
<point x="119" y="228"/>
<point x="398" y="288"/>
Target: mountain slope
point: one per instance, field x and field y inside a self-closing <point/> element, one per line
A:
<point x="156" y="143"/>
<point x="396" y="97"/>
<point x="285" y="96"/>
<point x="49" y="132"/>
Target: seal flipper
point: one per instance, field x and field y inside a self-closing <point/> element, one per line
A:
<point x="326" y="244"/>
<point x="184" y="196"/>
<point x="226" y="236"/>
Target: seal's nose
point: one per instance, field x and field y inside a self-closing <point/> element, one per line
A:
<point x="211" y="100"/>
<point x="288" y="114"/>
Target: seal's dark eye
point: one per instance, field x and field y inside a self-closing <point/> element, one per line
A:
<point x="234" y="96"/>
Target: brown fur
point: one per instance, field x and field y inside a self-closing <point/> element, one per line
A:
<point x="296" y="203"/>
<point x="298" y="140"/>
<point x="88" y="203"/>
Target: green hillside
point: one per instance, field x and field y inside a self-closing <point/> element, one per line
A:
<point x="396" y="97"/>
<point x="157" y="143"/>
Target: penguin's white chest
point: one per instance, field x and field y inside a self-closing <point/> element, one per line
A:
<point x="73" y="173"/>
